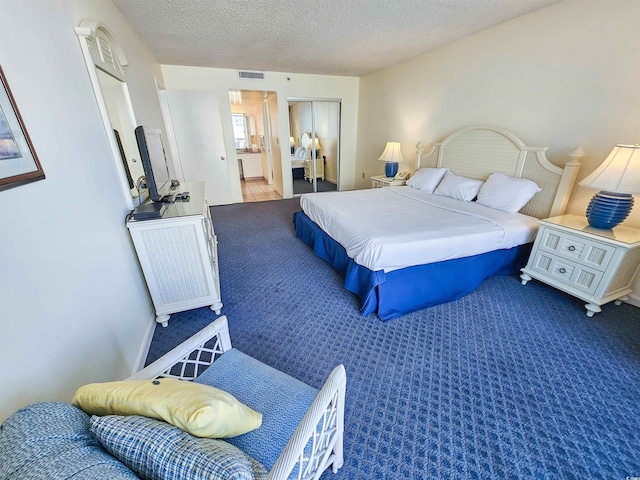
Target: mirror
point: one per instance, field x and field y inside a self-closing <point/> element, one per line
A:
<point x="240" y="130"/>
<point x="115" y="95"/>
<point x="105" y="61"/>
<point x="314" y="124"/>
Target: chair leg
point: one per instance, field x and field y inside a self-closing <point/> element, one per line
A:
<point x="338" y="451"/>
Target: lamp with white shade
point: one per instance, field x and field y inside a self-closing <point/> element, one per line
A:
<point x="392" y="155"/>
<point x="618" y="178"/>
<point x="292" y="144"/>
<point x="315" y="143"/>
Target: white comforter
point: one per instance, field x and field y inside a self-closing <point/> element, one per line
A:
<point x="391" y="228"/>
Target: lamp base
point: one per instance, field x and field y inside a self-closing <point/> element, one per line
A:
<point x="609" y="209"/>
<point x="390" y="169"/>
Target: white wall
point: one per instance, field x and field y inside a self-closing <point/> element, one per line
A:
<point x="73" y="304"/>
<point x="286" y="85"/>
<point x="562" y="76"/>
<point x="276" y="152"/>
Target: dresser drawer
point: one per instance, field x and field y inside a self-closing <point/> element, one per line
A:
<point x="566" y="272"/>
<point x="585" y="251"/>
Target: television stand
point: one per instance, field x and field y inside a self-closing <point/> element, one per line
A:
<point x="178" y="253"/>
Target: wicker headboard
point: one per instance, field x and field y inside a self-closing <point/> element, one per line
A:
<point x="476" y="152"/>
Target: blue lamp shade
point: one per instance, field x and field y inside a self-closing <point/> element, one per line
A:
<point x="618" y="178"/>
<point x="391" y="156"/>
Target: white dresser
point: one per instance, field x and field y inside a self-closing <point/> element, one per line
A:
<point x="589" y="263"/>
<point x="179" y="256"/>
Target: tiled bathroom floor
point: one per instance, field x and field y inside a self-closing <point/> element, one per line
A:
<point x="258" y="190"/>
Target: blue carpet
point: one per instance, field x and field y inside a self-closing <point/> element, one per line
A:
<point x="510" y="381"/>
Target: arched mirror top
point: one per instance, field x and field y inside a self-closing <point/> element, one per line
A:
<point x="106" y="52"/>
<point x="305" y="140"/>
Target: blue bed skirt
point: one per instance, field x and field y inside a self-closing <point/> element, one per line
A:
<point x="409" y="289"/>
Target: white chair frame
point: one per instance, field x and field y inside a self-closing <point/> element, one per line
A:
<point x="323" y="424"/>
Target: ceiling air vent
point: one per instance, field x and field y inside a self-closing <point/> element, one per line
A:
<point x="249" y="75"/>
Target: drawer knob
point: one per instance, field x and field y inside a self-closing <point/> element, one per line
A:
<point x="562" y="270"/>
<point x="571" y="248"/>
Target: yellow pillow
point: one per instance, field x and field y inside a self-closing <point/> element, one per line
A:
<point x="201" y="410"/>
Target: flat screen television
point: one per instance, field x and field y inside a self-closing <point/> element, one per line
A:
<point x="154" y="161"/>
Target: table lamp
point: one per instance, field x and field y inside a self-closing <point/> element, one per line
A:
<point x="618" y="178"/>
<point x="391" y="156"/>
<point x="292" y="143"/>
<point x="316" y="144"/>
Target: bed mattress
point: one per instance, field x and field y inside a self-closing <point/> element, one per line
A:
<point x="397" y="227"/>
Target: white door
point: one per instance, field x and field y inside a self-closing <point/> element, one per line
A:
<point x="198" y="133"/>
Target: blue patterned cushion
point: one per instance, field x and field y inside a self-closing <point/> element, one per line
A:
<point x="52" y="440"/>
<point x="282" y="400"/>
<point x="156" y="450"/>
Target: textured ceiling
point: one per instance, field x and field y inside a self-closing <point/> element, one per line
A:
<point x="333" y="37"/>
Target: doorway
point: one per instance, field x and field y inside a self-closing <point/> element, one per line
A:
<point x="315" y="144"/>
<point x="254" y="115"/>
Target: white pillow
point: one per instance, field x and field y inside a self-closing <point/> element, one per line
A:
<point x="460" y="188"/>
<point x="506" y="193"/>
<point x="299" y="152"/>
<point x="306" y="155"/>
<point x="427" y="179"/>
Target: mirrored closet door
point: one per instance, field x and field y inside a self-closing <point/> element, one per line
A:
<point x="315" y="144"/>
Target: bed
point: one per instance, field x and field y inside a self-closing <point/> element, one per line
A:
<point x="397" y="262"/>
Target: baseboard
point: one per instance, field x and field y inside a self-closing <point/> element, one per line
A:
<point x="146" y="344"/>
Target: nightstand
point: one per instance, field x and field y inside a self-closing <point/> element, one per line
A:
<point x="589" y="263"/>
<point x="379" y="181"/>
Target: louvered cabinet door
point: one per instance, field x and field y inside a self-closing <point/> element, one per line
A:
<point x="592" y="264"/>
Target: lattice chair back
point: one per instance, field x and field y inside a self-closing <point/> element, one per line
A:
<point x="323" y="424"/>
<point x="317" y="442"/>
<point x="191" y="357"/>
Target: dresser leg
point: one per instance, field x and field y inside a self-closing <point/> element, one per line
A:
<point x="620" y="300"/>
<point x="524" y="278"/>
<point x="592" y="309"/>
<point x="216" y="307"/>
<point x="163" y="320"/>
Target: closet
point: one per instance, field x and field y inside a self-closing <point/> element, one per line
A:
<point x="315" y="144"/>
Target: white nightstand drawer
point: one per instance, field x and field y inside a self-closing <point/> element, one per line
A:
<point x="572" y="247"/>
<point x="592" y="264"/>
<point x="567" y="272"/>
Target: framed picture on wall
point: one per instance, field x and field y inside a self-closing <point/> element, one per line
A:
<point x="18" y="160"/>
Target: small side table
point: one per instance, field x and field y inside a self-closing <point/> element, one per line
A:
<point x="379" y="181"/>
<point x="589" y="263"/>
